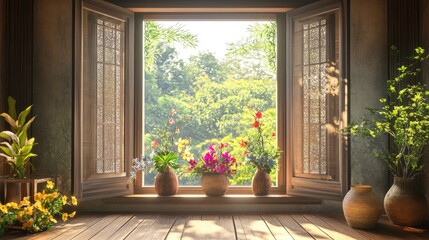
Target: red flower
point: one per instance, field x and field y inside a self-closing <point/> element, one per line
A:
<point x="255" y="124"/>
<point x="273" y="134"/>
<point x="154" y="143"/>
<point x="258" y="114"/>
<point x="171" y="121"/>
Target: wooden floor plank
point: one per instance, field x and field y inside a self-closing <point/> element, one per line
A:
<point x="128" y="227"/>
<point x="294" y="229"/>
<point x="327" y="228"/>
<point x="400" y="231"/>
<point x="255" y="227"/>
<point x="208" y="229"/>
<point x="227" y="223"/>
<point x="379" y="233"/>
<point x="94" y="229"/>
<point x="309" y="227"/>
<point x="143" y="227"/>
<point x="160" y="227"/>
<point x="74" y="228"/>
<point x="117" y="224"/>
<point x="342" y="227"/>
<point x="276" y="227"/>
<point x="176" y="230"/>
<point x="239" y="229"/>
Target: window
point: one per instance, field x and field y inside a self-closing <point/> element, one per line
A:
<point x="104" y="103"/>
<point x="214" y="84"/>
<point x="316" y="153"/>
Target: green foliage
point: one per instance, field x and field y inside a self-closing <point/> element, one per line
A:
<point x="404" y="117"/>
<point x="17" y="147"/>
<point x="154" y="34"/>
<point x="165" y="160"/>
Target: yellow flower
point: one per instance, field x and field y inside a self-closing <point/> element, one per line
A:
<point x="72" y="214"/>
<point x="19" y="215"/>
<point x="74" y="200"/>
<point x="65" y="217"/>
<point x="181" y="144"/>
<point x="37" y="204"/>
<point x="53" y="220"/>
<point x="13" y="205"/>
<point x="64" y="200"/>
<point x="3" y="208"/>
<point x="28" y="224"/>
<point x="25" y="201"/>
<point x="29" y="210"/>
<point x="50" y="185"/>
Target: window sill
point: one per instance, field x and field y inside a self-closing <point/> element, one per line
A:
<point x="199" y="203"/>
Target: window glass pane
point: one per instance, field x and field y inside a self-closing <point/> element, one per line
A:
<point x="216" y="74"/>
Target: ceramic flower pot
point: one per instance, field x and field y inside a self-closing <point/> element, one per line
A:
<point x="214" y="184"/>
<point x="362" y="208"/>
<point x="166" y="183"/>
<point x="261" y="183"/>
<point x="405" y="202"/>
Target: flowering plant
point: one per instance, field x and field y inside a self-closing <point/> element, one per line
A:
<point x="163" y="152"/>
<point x="260" y="152"/>
<point x="37" y="216"/>
<point x="215" y="160"/>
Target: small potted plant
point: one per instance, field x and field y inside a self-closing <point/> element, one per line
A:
<point x="216" y="165"/>
<point x="404" y="118"/>
<point x="17" y="147"/>
<point x="164" y="156"/>
<point x="262" y="153"/>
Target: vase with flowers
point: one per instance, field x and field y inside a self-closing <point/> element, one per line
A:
<point x="165" y="150"/>
<point x="215" y="165"/>
<point x="262" y="153"/>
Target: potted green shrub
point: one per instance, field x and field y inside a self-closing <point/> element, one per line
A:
<point x="17" y="147"/>
<point x="261" y="153"/>
<point x="404" y="118"/>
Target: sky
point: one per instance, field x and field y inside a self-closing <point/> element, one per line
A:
<point x="213" y="36"/>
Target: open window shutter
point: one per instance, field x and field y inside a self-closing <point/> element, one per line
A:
<point x="315" y="150"/>
<point x="104" y="102"/>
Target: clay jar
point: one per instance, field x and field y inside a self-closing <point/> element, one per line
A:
<point x="166" y="183"/>
<point x="362" y="208"/>
<point x="405" y="202"/>
<point x="214" y="184"/>
<point x="261" y="183"/>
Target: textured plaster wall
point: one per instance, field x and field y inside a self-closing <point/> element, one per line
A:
<point x="368" y="73"/>
<point x="52" y="89"/>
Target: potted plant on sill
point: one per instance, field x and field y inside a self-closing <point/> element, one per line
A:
<point x="164" y="156"/>
<point x="261" y="153"/>
<point x="215" y="166"/>
<point x="404" y="118"/>
<point x="17" y="148"/>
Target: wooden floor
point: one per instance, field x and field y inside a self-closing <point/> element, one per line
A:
<point x="281" y="226"/>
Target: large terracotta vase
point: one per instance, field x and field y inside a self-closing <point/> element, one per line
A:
<point x="166" y="183"/>
<point x="261" y="183"/>
<point x="362" y="208"/>
<point x="405" y="202"/>
<point x="214" y="184"/>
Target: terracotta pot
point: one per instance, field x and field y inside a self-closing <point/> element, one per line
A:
<point x="405" y="202"/>
<point x="362" y="208"/>
<point x="214" y="184"/>
<point x="261" y="183"/>
<point x="166" y="183"/>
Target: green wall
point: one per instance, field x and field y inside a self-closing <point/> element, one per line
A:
<point x="52" y="88"/>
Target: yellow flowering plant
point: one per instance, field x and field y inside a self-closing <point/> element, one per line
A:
<point x="37" y="216"/>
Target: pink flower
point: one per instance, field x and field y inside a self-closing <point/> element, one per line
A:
<point x="171" y="121"/>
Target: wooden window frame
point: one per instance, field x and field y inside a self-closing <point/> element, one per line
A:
<point x="281" y="88"/>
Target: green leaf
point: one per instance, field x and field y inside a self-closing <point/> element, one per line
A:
<point x="23" y="116"/>
<point x="11" y="102"/>
<point x="9" y="120"/>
